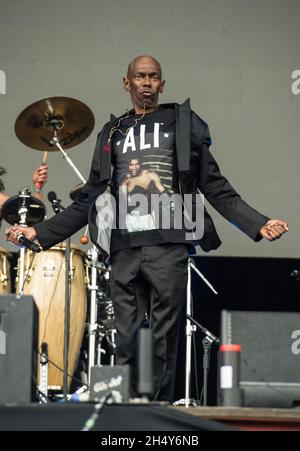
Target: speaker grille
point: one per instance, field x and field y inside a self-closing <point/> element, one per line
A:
<point x="269" y="344"/>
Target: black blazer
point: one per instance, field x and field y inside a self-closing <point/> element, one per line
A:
<point x="198" y="171"/>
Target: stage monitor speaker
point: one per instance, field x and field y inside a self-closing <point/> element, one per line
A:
<point x="18" y="349"/>
<point x="107" y="379"/>
<point x="270" y="356"/>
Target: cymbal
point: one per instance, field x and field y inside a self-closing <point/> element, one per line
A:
<point x="72" y="119"/>
<point x="74" y="193"/>
<point x="36" y="210"/>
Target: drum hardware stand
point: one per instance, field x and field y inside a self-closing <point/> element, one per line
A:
<point x="41" y="397"/>
<point x="93" y="325"/>
<point x="3" y="275"/>
<point x="54" y="123"/>
<point x="108" y="331"/>
<point x="190" y="329"/>
<point x="43" y="382"/>
<point x="112" y="344"/>
<point x="67" y="314"/>
<point x="100" y="350"/>
<point x="111" y="341"/>
<point x="22" y="212"/>
<point x="68" y="275"/>
<point x="97" y="331"/>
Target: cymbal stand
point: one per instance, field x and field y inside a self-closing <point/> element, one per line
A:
<point x="54" y="141"/>
<point x="22" y="212"/>
<point x="68" y="272"/>
<point x="55" y="123"/>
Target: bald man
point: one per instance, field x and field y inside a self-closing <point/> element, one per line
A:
<point x="172" y="141"/>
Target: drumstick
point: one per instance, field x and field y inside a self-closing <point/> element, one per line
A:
<point x="45" y="157"/>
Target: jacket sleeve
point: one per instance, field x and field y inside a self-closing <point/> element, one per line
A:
<point x="68" y="222"/>
<point x="216" y="188"/>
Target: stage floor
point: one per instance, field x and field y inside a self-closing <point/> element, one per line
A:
<point x="248" y="419"/>
<point x="145" y="417"/>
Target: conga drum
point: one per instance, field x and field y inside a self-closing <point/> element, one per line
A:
<point x="45" y="281"/>
<point x="5" y="281"/>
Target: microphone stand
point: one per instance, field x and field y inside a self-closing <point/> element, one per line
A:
<point x="56" y="205"/>
<point x="190" y="329"/>
<point x="207" y="342"/>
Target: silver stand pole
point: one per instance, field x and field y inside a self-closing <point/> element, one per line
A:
<point x="23" y="210"/>
<point x="93" y="325"/>
<point x="43" y="382"/>
<point x="66" y="157"/>
<point x="22" y="271"/>
<point x="192" y="265"/>
<point x="113" y="347"/>
<point x="190" y="329"/>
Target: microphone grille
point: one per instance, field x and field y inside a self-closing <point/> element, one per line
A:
<point x="52" y="196"/>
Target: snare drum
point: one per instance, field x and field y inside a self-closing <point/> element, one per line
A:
<point x="46" y="283"/>
<point x="5" y="282"/>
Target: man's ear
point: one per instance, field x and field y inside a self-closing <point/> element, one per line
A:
<point x="126" y="84"/>
<point x="161" y="89"/>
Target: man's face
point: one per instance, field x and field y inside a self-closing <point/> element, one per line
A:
<point x="134" y="168"/>
<point x="144" y="83"/>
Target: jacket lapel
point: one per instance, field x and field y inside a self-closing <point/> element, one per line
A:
<point x="105" y="151"/>
<point x="183" y="134"/>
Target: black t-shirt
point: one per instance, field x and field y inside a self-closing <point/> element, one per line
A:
<point x="144" y="177"/>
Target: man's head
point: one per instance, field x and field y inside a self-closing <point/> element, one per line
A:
<point x="144" y="83"/>
<point x="134" y="167"/>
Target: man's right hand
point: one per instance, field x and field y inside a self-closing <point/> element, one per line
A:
<point x="13" y="232"/>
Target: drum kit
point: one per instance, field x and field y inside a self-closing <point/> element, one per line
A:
<point x="56" y="124"/>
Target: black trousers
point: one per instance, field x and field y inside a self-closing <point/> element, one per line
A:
<point x="155" y="275"/>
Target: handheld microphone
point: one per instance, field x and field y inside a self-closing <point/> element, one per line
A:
<point x="52" y="197"/>
<point x="28" y="243"/>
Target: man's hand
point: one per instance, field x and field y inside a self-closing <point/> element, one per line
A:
<point x="12" y="233"/>
<point x="273" y="229"/>
<point x="40" y="176"/>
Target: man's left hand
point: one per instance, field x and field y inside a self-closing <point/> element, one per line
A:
<point x="273" y="229"/>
